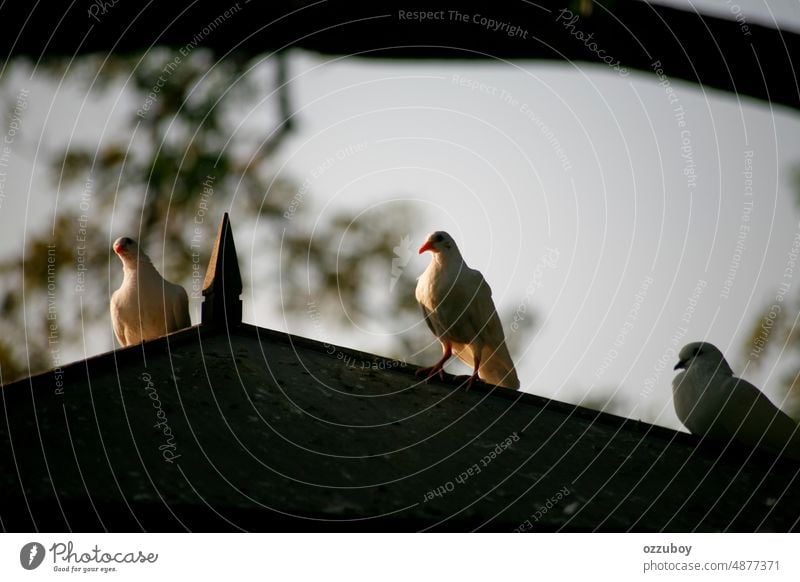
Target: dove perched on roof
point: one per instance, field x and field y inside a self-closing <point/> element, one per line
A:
<point x="709" y="400"/>
<point x="145" y="306"/>
<point x="458" y="308"/>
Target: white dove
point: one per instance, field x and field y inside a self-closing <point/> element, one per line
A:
<point x="145" y="306"/>
<point x="710" y="400"/>
<point x="458" y="308"/>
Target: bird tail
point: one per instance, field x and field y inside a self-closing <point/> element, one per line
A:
<point x="497" y="368"/>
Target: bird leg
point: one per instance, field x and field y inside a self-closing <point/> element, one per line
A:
<point x="475" y="376"/>
<point x="438" y="367"/>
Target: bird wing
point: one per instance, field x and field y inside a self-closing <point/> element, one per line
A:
<point x="496" y="364"/>
<point x="755" y="420"/>
<point x="480" y="327"/>
<point x="464" y="308"/>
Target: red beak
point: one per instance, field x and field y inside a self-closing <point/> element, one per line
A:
<point x="428" y="246"/>
<point x="117" y="248"/>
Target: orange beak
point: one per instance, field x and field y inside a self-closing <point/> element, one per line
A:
<point x="428" y="246"/>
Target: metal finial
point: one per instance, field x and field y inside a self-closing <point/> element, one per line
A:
<point x="222" y="288"/>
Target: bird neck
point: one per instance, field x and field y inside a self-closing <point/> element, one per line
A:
<point x="452" y="261"/>
<point x="715" y="368"/>
<point x="724" y="368"/>
<point x="135" y="265"/>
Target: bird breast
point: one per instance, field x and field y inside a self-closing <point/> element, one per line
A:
<point x="145" y="297"/>
<point x="446" y="302"/>
<point x="696" y="403"/>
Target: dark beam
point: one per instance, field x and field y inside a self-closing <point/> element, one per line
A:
<point x="748" y="59"/>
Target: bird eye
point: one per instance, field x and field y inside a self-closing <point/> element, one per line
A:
<point x="438" y="238"/>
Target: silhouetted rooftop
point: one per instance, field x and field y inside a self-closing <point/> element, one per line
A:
<point x="273" y="432"/>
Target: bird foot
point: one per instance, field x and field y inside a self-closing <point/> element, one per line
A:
<point x="470" y="380"/>
<point x="431" y="372"/>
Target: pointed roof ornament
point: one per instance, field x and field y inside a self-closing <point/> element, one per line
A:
<point x="222" y="288"/>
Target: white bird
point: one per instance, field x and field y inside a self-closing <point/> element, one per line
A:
<point x="709" y="400"/>
<point x="458" y="308"/>
<point x="145" y="306"/>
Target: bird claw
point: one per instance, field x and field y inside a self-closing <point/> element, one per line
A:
<point x="430" y="372"/>
<point x="470" y="380"/>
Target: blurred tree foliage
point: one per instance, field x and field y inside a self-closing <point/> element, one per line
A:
<point x="776" y="331"/>
<point x="185" y="129"/>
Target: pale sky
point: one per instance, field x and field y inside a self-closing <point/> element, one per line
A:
<point x="520" y="161"/>
<point x="614" y="202"/>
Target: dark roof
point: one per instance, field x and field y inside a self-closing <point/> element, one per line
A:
<point x="276" y="432"/>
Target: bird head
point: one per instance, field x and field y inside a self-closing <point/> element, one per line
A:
<point x="703" y="353"/>
<point x="126" y="248"/>
<point x="438" y="242"/>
